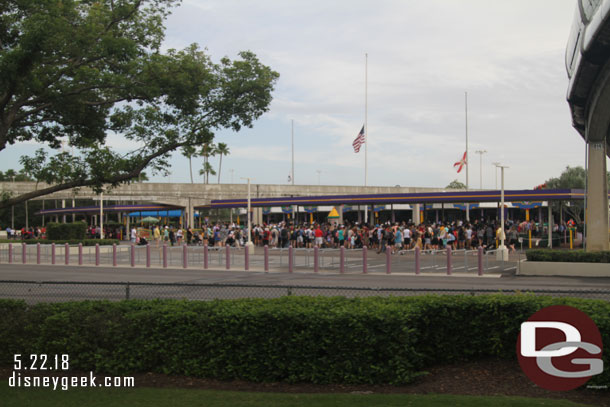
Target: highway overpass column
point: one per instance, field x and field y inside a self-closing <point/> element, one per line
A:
<point x="597" y="198"/>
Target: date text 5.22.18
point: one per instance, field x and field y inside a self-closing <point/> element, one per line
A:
<point x="41" y="362"/>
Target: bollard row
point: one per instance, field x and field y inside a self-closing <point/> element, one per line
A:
<point x="247" y="257"/>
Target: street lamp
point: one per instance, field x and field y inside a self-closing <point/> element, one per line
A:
<point x="250" y="245"/>
<point x="502" y="253"/>
<point x="319" y="172"/>
<point x="496" y="164"/>
<point x="480" y="153"/>
<point x="102" y="215"/>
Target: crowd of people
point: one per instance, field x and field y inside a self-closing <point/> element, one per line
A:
<point x="394" y="236"/>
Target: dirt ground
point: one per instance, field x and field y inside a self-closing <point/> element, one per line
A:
<point x="487" y="377"/>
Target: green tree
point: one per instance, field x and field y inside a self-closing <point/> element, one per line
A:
<point x="571" y="178"/>
<point x="189" y="152"/>
<point x="221" y="149"/>
<point x="455" y="184"/>
<point x="75" y="70"/>
<point x="208" y="150"/>
<point x="10" y="175"/>
<point x="206" y="171"/>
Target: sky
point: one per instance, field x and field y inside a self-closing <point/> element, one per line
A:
<point x="423" y="57"/>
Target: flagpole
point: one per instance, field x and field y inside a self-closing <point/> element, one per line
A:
<point x="467" y="162"/>
<point x="366" y="129"/>
<point x="292" y="136"/>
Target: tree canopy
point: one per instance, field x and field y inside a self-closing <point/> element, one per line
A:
<point x="571" y="178"/>
<point x="78" y="70"/>
<point x="455" y="184"/>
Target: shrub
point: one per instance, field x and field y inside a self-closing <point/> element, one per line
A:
<point x="85" y="242"/>
<point x="578" y="256"/>
<point x="66" y="231"/>
<point x="290" y="339"/>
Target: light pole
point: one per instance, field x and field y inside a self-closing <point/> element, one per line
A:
<point x="480" y="153"/>
<point x="496" y="164"/>
<point x="292" y="138"/>
<point x="249" y="244"/>
<point x="319" y="172"/>
<point x="502" y="253"/>
<point x="102" y="215"/>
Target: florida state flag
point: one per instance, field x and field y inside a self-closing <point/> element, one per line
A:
<point x="460" y="164"/>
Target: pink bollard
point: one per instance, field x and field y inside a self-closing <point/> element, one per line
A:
<point x="132" y="255"/>
<point x="228" y="257"/>
<point x="246" y="258"/>
<point x="266" y="255"/>
<point x="480" y="260"/>
<point x="148" y="256"/>
<point x="417" y="264"/>
<point x="365" y="256"/>
<point x="37" y="253"/>
<point x="388" y="260"/>
<point x="448" y="260"/>
<point x="24" y="253"/>
<point x="205" y="256"/>
<point x="114" y="255"/>
<point x="67" y="253"/>
<point x="97" y="254"/>
<point x="342" y="259"/>
<point x="80" y="254"/>
<point x="185" y="256"/>
<point x="290" y="259"/>
<point x="164" y="255"/>
<point x="316" y="259"/>
<point x="52" y="253"/>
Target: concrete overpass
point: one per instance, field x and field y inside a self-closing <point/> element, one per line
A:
<point x="189" y="196"/>
<point x="588" y="67"/>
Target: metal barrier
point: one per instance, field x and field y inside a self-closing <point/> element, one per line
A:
<point x="342" y="260"/>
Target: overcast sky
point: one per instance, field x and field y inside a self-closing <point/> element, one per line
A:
<point x="423" y="55"/>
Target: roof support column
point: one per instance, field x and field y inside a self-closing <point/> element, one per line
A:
<point x="550" y="223"/>
<point x="415" y="214"/>
<point x="191" y="215"/>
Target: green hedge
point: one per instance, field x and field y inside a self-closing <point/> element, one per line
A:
<point x="578" y="256"/>
<point x="66" y="231"/>
<point x="290" y="339"/>
<point x="85" y="242"/>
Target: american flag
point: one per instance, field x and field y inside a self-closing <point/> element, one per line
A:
<point x="359" y="141"/>
<point x="460" y="164"/>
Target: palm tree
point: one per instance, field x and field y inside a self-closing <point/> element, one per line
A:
<point x="206" y="171"/>
<point x="221" y="149"/>
<point x="189" y="152"/>
<point x="208" y="150"/>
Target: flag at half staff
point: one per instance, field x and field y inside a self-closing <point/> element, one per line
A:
<point x="359" y="141"/>
<point x="460" y="164"/>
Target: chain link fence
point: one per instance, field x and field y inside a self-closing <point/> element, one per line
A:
<point x="59" y="291"/>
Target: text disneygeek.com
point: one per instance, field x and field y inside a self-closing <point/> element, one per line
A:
<point x="66" y="382"/>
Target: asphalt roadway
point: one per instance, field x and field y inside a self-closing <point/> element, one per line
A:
<point x="508" y="281"/>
